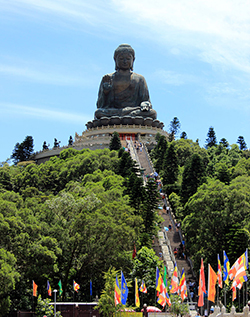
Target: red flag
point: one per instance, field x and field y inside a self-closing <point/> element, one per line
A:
<point x="134" y="252"/>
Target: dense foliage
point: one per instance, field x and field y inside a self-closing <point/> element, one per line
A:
<point x="209" y="192"/>
<point x="71" y="218"/>
<point x="79" y="215"/>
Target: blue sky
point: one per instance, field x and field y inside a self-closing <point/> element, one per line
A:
<point x="194" y="55"/>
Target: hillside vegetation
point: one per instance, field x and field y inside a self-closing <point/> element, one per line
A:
<point x="78" y="215"/>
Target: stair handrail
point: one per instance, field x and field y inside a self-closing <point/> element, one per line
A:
<point x="148" y="158"/>
<point x="171" y="215"/>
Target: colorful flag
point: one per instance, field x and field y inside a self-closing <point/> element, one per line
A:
<point x="124" y="290"/>
<point x="183" y="286"/>
<point x="219" y="273"/>
<point x="165" y="276"/>
<point x="245" y="260"/>
<point x="242" y="259"/>
<point x="174" y="287"/>
<point x="226" y="267"/>
<point x="143" y="287"/>
<point x="168" y="299"/>
<point x="200" y="293"/>
<point x="34" y="289"/>
<point x="90" y="288"/>
<point x="161" y="299"/>
<point x="117" y="292"/>
<point x="76" y="286"/>
<point x="159" y="285"/>
<point x="212" y="279"/>
<point x="240" y="277"/>
<point x="60" y="288"/>
<point x="203" y="281"/>
<point x="49" y="289"/>
<point x="232" y="272"/>
<point x="134" y="252"/>
<point x="137" y="299"/>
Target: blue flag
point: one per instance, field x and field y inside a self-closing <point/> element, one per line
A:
<point x="124" y="290"/>
<point x="90" y="288"/>
<point x="226" y="268"/>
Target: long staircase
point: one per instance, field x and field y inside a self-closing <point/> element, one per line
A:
<point x="167" y="240"/>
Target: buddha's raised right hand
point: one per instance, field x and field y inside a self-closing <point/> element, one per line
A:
<point x="107" y="83"/>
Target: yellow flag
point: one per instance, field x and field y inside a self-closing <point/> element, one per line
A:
<point x="137" y="299"/>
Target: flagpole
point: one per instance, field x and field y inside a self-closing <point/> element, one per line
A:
<point x="208" y="276"/>
<point x="218" y="295"/>
<point x="246" y="269"/>
<point x="155" y="284"/>
<point x="243" y="298"/>
<point x="32" y="296"/>
<point x="239" y="298"/>
<point x="225" y="300"/>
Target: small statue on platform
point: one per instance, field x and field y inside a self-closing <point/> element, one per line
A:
<point x="56" y="143"/>
<point x="45" y="146"/>
<point x="124" y="93"/>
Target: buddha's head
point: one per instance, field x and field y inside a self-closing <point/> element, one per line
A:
<point x="124" y="57"/>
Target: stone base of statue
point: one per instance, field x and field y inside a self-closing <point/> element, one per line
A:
<point x="115" y="120"/>
<point x="99" y="137"/>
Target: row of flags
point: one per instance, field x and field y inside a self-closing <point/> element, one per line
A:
<point x="176" y="286"/>
<point x="237" y="274"/>
<point x="121" y="293"/>
<point x="76" y="287"/>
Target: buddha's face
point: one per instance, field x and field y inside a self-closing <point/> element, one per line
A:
<point x="124" y="61"/>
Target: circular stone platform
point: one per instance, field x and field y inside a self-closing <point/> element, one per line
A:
<point x="125" y="120"/>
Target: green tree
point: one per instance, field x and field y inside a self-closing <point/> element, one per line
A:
<point x="136" y="191"/>
<point x="216" y="203"/>
<point x="150" y="204"/>
<point x="115" y="142"/>
<point x="174" y="126"/>
<point x="222" y="172"/>
<point x="144" y="268"/>
<point x="170" y="169"/>
<point x="242" y="143"/>
<point x="224" y="142"/>
<point x="126" y="165"/>
<point x="186" y="148"/>
<point x="158" y="153"/>
<point x="193" y="176"/>
<point x="23" y="151"/>
<point x="106" y="304"/>
<point x="177" y="307"/>
<point x="177" y="207"/>
<point x="44" y="308"/>
<point x="8" y="279"/>
<point x="211" y="138"/>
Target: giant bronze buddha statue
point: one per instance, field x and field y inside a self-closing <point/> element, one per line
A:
<point x="124" y="93"/>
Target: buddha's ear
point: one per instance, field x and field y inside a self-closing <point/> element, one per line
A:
<point x="132" y="66"/>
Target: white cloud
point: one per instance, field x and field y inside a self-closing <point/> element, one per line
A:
<point x="43" y="113"/>
<point x="173" y="78"/>
<point x="217" y="32"/>
<point x="44" y="76"/>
